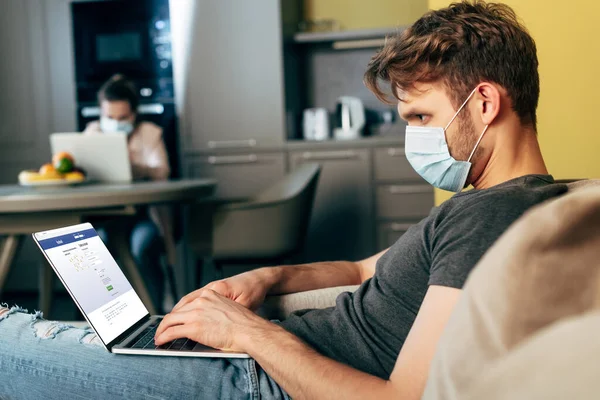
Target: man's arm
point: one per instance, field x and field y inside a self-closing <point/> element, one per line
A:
<point x="299" y="278"/>
<point x="302" y="372"/>
<point x="250" y="288"/>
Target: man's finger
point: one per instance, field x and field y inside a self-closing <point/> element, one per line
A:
<point x="175" y="332"/>
<point x="173" y="319"/>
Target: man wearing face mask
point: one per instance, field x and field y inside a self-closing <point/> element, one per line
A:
<point x="152" y="231"/>
<point x="465" y="78"/>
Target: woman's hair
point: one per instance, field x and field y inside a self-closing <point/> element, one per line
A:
<point x="119" y="88"/>
<point x="462" y="45"/>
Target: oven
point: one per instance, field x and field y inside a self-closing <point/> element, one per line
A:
<point x="131" y="37"/>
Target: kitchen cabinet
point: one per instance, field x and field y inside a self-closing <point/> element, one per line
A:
<point x="390" y="164"/>
<point x="403" y="200"/>
<point x="402" y="197"/>
<point x="341" y="226"/>
<point x="368" y="196"/>
<point x="234" y="83"/>
<point x="24" y="98"/>
<point x="34" y="102"/>
<point x="238" y="175"/>
<point x="37" y="81"/>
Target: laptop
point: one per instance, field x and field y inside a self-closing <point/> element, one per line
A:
<point x="104" y="157"/>
<point x="106" y="298"/>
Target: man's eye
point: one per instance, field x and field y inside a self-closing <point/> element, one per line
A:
<point x="421" y="118"/>
<point x="417" y="119"/>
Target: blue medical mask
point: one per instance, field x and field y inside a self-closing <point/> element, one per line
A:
<point x="427" y="151"/>
<point x="109" y="125"/>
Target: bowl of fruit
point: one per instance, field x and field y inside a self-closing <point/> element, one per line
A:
<point x="61" y="172"/>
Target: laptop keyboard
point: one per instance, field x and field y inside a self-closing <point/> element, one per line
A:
<point x="145" y="340"/>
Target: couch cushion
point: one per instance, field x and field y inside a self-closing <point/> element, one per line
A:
<point x="280" y="307"/>
<point x="556" y="363"/>
<point x="543" y="269"/>
<point x="582" y="184"/>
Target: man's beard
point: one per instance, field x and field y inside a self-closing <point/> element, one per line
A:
<point x="465" y="141"/>
<point x="465" y="138"/>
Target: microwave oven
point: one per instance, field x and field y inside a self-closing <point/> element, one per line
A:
<point x="131" y="37"/>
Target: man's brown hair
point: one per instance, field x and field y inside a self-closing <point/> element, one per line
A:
<point x="462" y="45"/>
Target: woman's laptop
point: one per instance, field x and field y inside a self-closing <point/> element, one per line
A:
<point x="104" y="157"/>
<point x="106" y="298"/>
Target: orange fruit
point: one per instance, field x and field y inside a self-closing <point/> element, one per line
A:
<point x="47" y="169"/>
<point x="60" y="155"/>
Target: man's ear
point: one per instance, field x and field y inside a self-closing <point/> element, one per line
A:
<point x="487" y="100"/>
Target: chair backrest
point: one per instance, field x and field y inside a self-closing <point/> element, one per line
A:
<point x="292" y="185"/>
<point x="272" y="224"/>
<point x="301" y="204"/>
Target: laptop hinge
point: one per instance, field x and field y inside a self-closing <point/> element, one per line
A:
<point x="128" y="332"/>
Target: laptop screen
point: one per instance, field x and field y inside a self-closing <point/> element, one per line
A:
<point x="93" y="278"/>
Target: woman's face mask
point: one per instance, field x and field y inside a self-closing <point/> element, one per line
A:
<point x="117" y="117"/>
<point x="109" y="125"/>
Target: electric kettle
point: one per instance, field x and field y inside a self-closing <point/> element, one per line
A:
<point x="350" y="118"/>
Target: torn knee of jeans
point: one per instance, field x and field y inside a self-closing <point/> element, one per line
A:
<point x="43" y="329"/>
<point x="90" y="337"/>
<point x="5" y="311"/>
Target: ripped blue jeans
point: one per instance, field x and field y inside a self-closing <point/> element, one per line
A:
<point x="50" y="360"/>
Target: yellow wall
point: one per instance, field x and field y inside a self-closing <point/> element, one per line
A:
<point x="569" y="53"/>
<point x="361" y="14"/>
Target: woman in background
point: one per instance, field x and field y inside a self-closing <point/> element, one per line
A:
<point x="151" y="231"/>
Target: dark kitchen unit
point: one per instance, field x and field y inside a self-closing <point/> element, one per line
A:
<point x="130" y="37"/>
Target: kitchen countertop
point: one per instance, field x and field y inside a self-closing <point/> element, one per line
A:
<point x="369" y="141"/>
<point x="311" y="145"/>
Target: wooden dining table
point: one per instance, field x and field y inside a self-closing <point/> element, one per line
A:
<point x="26" y="210"/>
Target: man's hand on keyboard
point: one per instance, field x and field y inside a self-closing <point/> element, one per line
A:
<point x="211" y="319"/>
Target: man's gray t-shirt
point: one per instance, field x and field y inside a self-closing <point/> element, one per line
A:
<point x="366" y="329"/>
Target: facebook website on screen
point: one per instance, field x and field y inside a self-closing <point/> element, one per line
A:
<point x="94" y="279"/>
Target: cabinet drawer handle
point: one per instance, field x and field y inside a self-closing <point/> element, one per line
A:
<point x="224" y="160"/>
<point x="226" y="144"/>
<point x="409" y="189"/>
<point x="395" y="227"/>
<point x="151" y="109"/>
<point x="143" y="109"/>
<point x="330" y="155"/>
<point x="90" y="112"/>
<point x="357" y="44"/>
<point x="396" y="152"/>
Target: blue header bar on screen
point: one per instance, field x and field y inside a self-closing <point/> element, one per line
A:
<point x="68" y="238"/>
